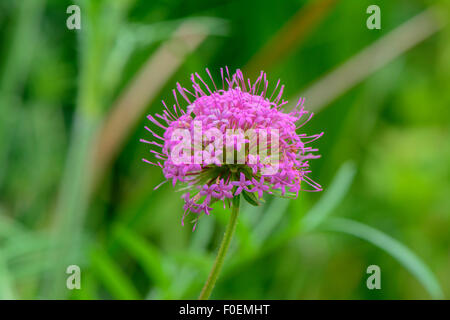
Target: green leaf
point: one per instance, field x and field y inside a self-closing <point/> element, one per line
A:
<point x="146" y="254"/>
<point x="334" y="196"/>
<point x="270" y="219"/>
<point x="112" y="277"/>
<point x="397" y="250"/>
<point x="251" y="198"/>
<point x="331" y="198"/>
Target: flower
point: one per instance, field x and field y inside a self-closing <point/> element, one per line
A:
<point x="232" y="140"/>
<point x="241" y="184"/>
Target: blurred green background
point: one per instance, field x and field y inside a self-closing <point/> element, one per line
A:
<point x="73" y="188"/>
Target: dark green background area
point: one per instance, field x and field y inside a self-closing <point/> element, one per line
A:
<point x="384" y="166"/>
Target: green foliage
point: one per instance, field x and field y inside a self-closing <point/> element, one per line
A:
<point x="399" y="251"/>
<point x="385" y="155"/>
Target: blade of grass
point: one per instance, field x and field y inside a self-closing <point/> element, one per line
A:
<point x="327" y="203"/>
<point x="270" y="219"/>
<point x="112" y="277"/>
<point x="331" y="198"/>
<point x="26" y="269"/>
<point x="25" y="244"/>
<point x="329" y="87"/>
<point x="148" y="256"/>
<point x="396" y="249"/>
<point x="191" y="262"/>
<point x="334" y="195"/>
<point x="202" y="236"/>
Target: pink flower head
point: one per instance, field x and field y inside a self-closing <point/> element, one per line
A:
<point x="231" y="140"/>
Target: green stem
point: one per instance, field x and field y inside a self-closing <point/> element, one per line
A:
<point x="214" y="274"/>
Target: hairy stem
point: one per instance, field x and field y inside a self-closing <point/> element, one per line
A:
<point x="218" y="263"/>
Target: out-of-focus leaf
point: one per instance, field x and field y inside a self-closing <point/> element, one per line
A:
<point x="89" y="286"/>
<point x="28" y="267"/>
<point x="326" y="204"/>
<point x="26" y="244"/>
<point x="6" y="288"/>
<point x="9" y="227"/>
<point x="147" y="255"/>
<point x="337" y="191"/>
<point x="271" y="217"/>
<point x="137" y="36"/>
<point x="331" y="198"/>
<point x="202" y="236"/>
<point x="200" y="262"/>
<point x="397" y="250"/>
<point x="112" y="277"/>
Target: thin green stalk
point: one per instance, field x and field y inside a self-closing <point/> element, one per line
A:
<point x="214" y="274"/>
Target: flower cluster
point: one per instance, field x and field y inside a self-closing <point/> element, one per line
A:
<point x="263" y="154"/>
